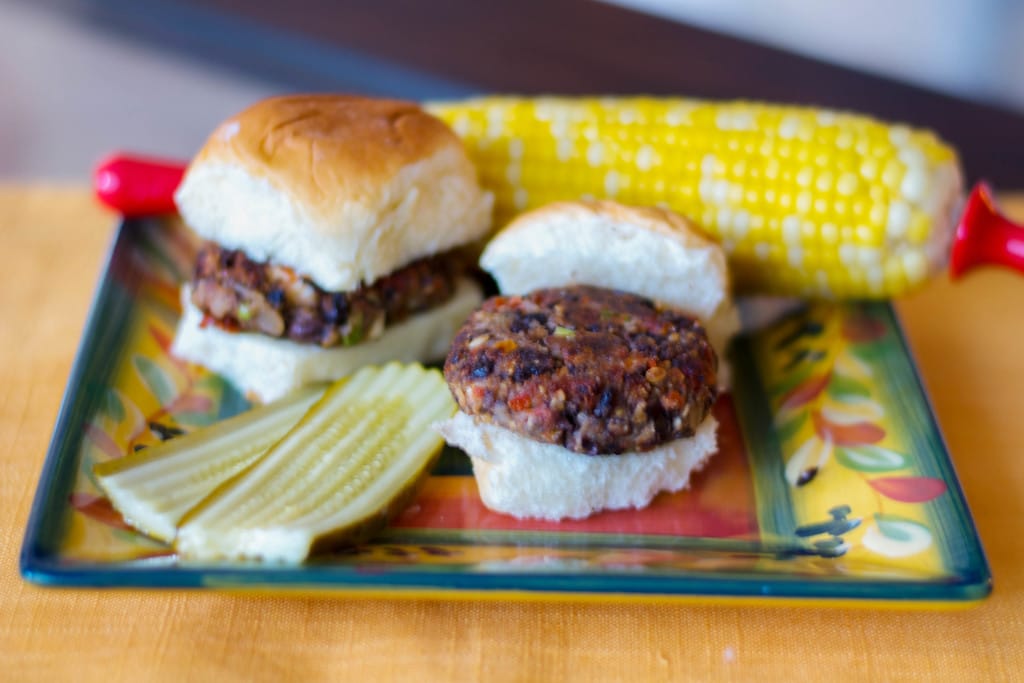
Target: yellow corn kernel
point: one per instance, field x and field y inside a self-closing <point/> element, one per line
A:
<point x="806" y="201"/>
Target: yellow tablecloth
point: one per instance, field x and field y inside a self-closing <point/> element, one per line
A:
<point x="967" y="338"/>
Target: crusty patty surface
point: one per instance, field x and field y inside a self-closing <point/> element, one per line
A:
<point x="237" y="292"/>
<point x="594" y="370"/>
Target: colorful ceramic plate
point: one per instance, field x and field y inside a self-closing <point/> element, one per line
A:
<point x="832" y="480"/>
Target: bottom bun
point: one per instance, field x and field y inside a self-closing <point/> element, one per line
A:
<point x="526" y="478"/>
<point x="266" y="368"/>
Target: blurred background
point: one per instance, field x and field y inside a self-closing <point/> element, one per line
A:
<point x="972" y="48"/>
<point x="84" y="77"/>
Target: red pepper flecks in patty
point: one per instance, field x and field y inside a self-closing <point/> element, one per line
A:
<point x="237" y="293"/>
<point x="594" y="370"/>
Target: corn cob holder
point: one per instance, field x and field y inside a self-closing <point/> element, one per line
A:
<point x="806" y="202"/>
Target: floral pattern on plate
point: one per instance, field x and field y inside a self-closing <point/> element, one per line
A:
<point x="831" y="479"/>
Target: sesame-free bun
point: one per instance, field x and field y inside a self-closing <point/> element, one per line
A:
<point x="647" y="251"/>
<point x="266" y="368"/>
<point x="343" y="189"/>
<point x="525" y="478"/>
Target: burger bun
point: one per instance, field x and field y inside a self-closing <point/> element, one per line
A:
<point x="342" y="189"/>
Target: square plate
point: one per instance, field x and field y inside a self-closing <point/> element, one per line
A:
<point x="832" y="481"/>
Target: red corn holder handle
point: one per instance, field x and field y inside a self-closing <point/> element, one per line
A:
<point x="137" y="186"/>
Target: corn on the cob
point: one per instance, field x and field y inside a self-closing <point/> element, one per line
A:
<point x="805" y="201"/>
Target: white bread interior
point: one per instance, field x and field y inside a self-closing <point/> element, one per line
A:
<point x="526" y="478"/>
<point x="265" y="368"/>
<point x="342" y="189"/>
<point x="647" y="251"/>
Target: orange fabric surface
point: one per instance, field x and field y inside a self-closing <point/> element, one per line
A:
<point x="967" y="341"/>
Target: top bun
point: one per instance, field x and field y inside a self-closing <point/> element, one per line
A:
<point x="647" y="251"/>
<point x="343" y="189"/>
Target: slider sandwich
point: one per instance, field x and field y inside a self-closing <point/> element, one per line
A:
<point x="588" y="383"/>
<point x="332" y="227"/>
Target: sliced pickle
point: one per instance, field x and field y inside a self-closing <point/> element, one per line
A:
<point x="352" y="463"/>
<point x="155" y="487"/>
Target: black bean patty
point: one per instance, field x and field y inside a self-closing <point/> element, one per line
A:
<point x="594" y="370"/>
<point x="236" y="292"/>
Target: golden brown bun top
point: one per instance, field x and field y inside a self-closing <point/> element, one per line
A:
<point x="314" y="144"/>
<point x="344" y="189"/>
<point x="584" y="212"/>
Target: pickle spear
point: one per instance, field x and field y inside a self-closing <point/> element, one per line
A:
<point x="155" y="487"/>
<point x="352" y="463"/>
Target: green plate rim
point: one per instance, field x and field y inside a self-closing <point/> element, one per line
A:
<point x="101" y="345"/>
